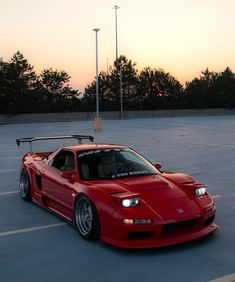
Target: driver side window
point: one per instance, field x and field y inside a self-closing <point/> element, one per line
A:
<point x="64" y="161"/>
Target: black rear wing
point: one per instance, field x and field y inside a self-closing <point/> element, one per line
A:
<point x="39" y="138"/>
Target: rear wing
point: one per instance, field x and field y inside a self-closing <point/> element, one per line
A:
<point x="32" y="139"/>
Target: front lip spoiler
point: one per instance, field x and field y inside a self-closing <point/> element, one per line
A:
<point x="164" y="242"/>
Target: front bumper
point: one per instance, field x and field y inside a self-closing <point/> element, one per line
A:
<point x="159" y="235"/>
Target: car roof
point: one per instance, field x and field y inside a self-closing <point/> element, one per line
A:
<point x="97" y="146"/>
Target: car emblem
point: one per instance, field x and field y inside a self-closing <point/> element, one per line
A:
<point x="180" y="210"/>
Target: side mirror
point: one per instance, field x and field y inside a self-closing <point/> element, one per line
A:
<point x="158" y="166"/>
<point x="68" y="175"/>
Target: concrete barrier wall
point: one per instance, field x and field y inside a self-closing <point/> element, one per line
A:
<point x="56" y="117"/>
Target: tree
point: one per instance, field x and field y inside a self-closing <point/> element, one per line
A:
<point x="107" y="95"/>
<point x="211" y="90"/>
<point x="159" y="89"/>
<point x="223" y="90"/>
<point x="132" y="99"/>
<point x="17" y="84"/>
<point x="197" y="92"/>
<point x="3" y="85"/>
<point x="88" y="100"/>
<point x="56" y="93"/>
<point x="22" y="91"/>
<point x="109" y="88"/>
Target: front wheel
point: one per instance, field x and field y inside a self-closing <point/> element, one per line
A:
<point x="24" y="186"/>
<point x="86" y="218"/>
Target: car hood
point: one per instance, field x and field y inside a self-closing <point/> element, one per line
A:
<point x="162" y="195"/>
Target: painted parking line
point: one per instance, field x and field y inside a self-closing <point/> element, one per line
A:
<point x="216" y="145"/>
<point x="227" y="278"/>
<point x="3" y="150"/>
<point x="8" y="183"/>
<point x="216" y="196"/>
<point x="8" y="170"/>
<point x="222" y="145"/>
<point x="9" y="192"/>
<point x="31" y="229"/>
<point x="10" y="158"/>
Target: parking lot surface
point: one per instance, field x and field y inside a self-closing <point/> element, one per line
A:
<point x="36" y="245"/>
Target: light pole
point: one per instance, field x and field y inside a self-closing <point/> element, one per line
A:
<point x="98" y="126"/>
<point x="116" y="7"/>
<point x="121" y="100"/>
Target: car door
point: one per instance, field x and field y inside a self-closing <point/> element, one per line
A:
<point x="58" y="183"/>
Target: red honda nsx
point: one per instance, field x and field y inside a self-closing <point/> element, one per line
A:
<point x="112" y="193"/>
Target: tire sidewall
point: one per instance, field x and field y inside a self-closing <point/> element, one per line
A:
<point x="23" y="177"/>
<point x="95" y="229"/>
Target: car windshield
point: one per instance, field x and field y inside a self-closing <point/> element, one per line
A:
<point x="113" y="164"/>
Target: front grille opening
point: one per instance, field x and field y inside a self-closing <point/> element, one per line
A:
<point x="209" y="220"/>
<point x="176" y="227"/>
<point x="139" y="235"/>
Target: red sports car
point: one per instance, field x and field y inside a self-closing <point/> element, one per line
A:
<point x="113" y="193"/>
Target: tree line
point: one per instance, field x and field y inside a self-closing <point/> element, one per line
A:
<point x="23" y="91"/>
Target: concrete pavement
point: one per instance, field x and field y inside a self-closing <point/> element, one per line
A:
<point x="36" y="245"/>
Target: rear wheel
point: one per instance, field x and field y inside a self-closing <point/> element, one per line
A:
<point x="24" y="186"/>
<point x="86" y="218"/>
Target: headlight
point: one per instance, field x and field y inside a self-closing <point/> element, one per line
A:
<point x="131" y="202"/>
<point x="200" y="191"/>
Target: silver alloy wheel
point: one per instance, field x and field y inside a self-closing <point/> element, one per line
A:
<point x="24" y="185"/>
<point x="84" y="216"/>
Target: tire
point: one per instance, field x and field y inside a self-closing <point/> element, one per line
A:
<point x="24" y="186"/>
<point x="86" y="219"/>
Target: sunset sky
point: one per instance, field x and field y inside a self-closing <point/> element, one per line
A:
<point x="183" y="37"/>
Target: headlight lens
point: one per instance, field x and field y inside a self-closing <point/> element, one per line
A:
<point x="131" y="202"/>
<point x="200" y="191"/>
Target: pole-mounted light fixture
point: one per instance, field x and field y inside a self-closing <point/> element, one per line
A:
<point x="116" y="7"/>
<point x="98" y="126"/>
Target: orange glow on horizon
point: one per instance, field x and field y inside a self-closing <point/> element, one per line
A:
<point x="182" y="37"/>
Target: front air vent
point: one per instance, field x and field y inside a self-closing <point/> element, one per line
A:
<point x="139" y="235"/>
<point x="39" y="181"/>
<point x="209" y="220"/>
<point x="174" y="228"/>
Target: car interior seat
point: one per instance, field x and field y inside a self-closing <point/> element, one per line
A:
<point x="69" y="164"/>
<point x="108" y="166"/>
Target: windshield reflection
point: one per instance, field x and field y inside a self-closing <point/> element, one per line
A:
<point x="113" y="164"/>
